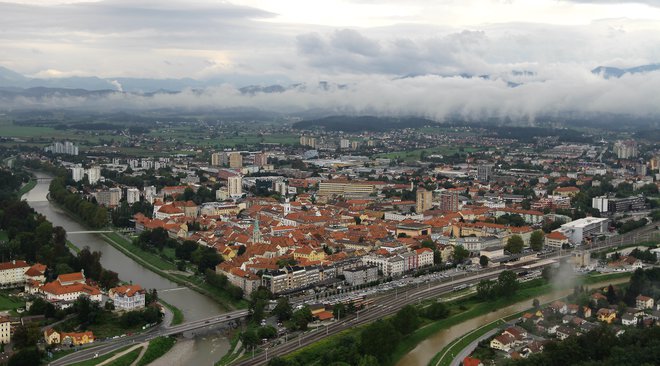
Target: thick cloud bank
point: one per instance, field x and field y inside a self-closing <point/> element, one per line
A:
<point x="518" y="96"/>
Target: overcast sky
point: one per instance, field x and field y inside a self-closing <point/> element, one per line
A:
<point x="358" y="42"/>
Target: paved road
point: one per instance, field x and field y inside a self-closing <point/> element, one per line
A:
<point x="470" y="347"/>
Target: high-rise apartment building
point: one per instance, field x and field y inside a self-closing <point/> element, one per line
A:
<point x="424" y="201"/>
<point x="93" y="174"/>
<point x="109" y="198"/>
<point x="484" y="172"/>
<point x="261" y="159"/>
<point x="235" y="186"/>
<point x="449" y="201"/>
<point x="77" y="173"/>
<point x="625" y="149"/>
<point x="235" y="160"/>
<point x="132" y="195"/>
<point x="344" y="143"/>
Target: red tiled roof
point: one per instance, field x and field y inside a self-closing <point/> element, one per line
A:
<point x="13" y="264"/>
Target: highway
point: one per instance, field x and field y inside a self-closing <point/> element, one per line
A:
<point x="383" y="305"/>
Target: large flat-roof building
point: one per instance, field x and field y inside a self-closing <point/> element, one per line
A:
<point x="578" y="230"/>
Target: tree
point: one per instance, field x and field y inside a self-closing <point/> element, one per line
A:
<point x="301" y="318"/>
<point x="250" y="338"/>
<point x="507" y="283"/>
<point x="26" y="357"/>
<point x="483" y="261"/>
<point x="536" y="240"/>
<point x="611" y="295"/>
<point x="536" y="304"/>
<point x="436" y="311"/>
<point x="339" y="310"/>
<point x="514" y="245"/>
<point x="460" y="254"/>
<point x="283" y="309"/>
<point x="406" y="320"/>
<point x="379" y="339"/>
<point x="26" y="335"/>
<point x="485" y="289"/>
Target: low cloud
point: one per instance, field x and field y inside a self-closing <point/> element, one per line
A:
<point x="546" y="93"/>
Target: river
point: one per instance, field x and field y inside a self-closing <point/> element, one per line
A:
<point x="207" y="348"/>
<point x="427" y="349"/>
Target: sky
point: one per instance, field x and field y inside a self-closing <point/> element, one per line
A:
<point x="411" y="47"/>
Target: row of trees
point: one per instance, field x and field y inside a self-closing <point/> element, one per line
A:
<point x="505" y="286"/>
<point x="91" y="213"/>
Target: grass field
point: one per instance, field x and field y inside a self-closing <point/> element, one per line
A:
<point x="459" y="344"/>
<point x="127" y="359"/>
<point x="9" y="302"/>
<point x="177" y="314"/>
<point x="152" y="258"/>
<point x="27" y="187"/>
<point x="157" y="348"/>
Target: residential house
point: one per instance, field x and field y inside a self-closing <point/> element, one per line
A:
<point x="606" y="315"/>
<point x="502" y="342"/>
<point x="644" y="302"/>
<point x="128" y="297"/>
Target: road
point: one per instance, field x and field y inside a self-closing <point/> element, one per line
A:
<point x="111" y="345"/>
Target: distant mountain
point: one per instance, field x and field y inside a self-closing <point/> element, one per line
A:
<point x="609" y="72"/>
<point x="363" y="123"/>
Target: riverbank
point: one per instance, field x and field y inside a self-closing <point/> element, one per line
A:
<point x="457" y="345"/>
<point x="159" y="266"/>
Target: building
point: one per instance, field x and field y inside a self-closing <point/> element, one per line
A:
<point x="132" y="195"/>
<point x="578" y="231"/>
<point x="217" y="159"/>
<point x="361" y="275"/>
<point x="484" y="172"/>
<point x="77" y="173"/>
<point x="413" y="230"/>
<point x="128" y="297"/>
<point x="5" y="330"/>
<point x="290" y="278"/>
<point x="235" y="186"/>
<point x="344" y="143"/>
<point x="449" y="201"/>
<point x="67" y="288"/>
<point x="235" y="160"/>
<point x="67" y="148"/>
<point x="93" y="174"/>
<point x="52" y="336"/>
<point x="110" y="197"/>
<point x="424" y="200"/>
<point x="247" y="281"/>
<point x="555" y="239"/>
<point x="625" y="149"/>
<point x="260" y="159"/>
<point x="308" y="141"/>
<point x="613" y="205"/>
<point x="644" y="302"/>
<point x="388" y="266"/>
<point x="12" y="274"/>
<point x="346" y="188"/>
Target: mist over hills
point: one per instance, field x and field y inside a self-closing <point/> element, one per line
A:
<point x="604" y="95"/>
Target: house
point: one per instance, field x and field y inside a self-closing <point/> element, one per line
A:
<point x="516" y="332"/>
<point x="559" y="307"/>
<point x="36" y="273"/>
<point x="128" y="297"/>
<point x="555" y="239"/>
<point x="628" y="319"/>
<point x="51" y="336"/>
<point x="5" y="330"/>
<point x="503" y="342"/>
<point x="644" y="302"/>
<point x="606" y="315"/>
<point x="77" y="339"/>
<point x="470" y="361"/>
<point x="564" y="332"/>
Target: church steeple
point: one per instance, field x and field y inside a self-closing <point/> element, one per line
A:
<point x="256" y="233"/>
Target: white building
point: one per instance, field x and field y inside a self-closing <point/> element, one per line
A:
<point x="77" y="173"/>
<point x="132" y="195"/>
<point x="93" y="174"/>
<point x="68" y="287"/>
<point x="235" y="186"/>
<point x="129" y="297"/>
<point x="5" y="330"/>
<point x="13" y="273"/>
<point x="344" y="143"/>
<point x="578" y="230"/>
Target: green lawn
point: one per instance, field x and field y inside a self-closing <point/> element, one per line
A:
<point x="72" y="246"/>
<point x="459" y="344"/>
<point x="27" y="187"/>
<point x="107" y="325"/>
<point x="9" y="302"/>
<point x="176" y="312"/>
<point x="149" y="257"/>
<point x="127" y="359"/>
<point x="157" y="348"/>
